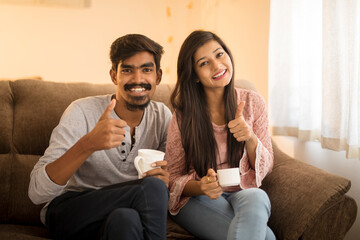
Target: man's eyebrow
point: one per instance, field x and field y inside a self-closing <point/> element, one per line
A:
<point x="204" y="57"/>
<point x="148" y="64"/>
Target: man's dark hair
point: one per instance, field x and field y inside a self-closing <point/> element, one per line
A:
<point x="130" y="44"/>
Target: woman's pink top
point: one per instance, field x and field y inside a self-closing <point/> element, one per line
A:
<point x="256" y="116"/>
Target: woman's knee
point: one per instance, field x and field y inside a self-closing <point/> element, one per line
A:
<point x="254" y="198"/>
<point x="270" y="234"/>
<point x="206" y="218"/>
<point x="257" y="194"/>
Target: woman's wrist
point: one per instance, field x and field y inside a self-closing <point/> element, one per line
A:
<point x="252" y="139"/>
<point x="192" y="188"/>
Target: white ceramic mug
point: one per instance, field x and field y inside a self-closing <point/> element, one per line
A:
<point x="145" y="158"/>
<point x="228" y="177"/>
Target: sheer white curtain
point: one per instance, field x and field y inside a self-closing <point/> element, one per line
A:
<point x="314" y="72"/>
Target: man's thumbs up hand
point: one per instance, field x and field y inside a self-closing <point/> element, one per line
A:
<point x="108" y="132"/>
<point x="108" y="110"/>
<point x="238" y="127"/>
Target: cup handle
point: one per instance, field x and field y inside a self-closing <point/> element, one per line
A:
<point x="136" y="163"/>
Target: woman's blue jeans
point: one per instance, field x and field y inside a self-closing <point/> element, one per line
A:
<point x="238" y="215"/>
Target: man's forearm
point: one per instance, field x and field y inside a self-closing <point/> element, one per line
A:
<point x="61" y="170"/>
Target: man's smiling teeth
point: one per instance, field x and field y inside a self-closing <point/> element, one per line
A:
<point x="220" y="74"/>
<point x="137" y="89"/>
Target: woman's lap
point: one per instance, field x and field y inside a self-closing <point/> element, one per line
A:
<point x="211" y="219"/>
<point x="206" y="218"/>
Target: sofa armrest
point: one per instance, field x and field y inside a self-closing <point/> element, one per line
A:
<point x="299" y="194"/>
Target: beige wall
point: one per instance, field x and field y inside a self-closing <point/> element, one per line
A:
<point x="62" y="44"/>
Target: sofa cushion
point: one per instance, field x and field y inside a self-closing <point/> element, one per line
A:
<point x="162" y="94"/>
<point x="174" y="231"/>
<point x="341" y="214"/>
<point x="34" y="120"/>
<point x="21" y="210"/>
<point x="5" y="177"/>
<point x="21" y="232"/>
<point x="6" y="119"/>
<point x="319" y="191"/>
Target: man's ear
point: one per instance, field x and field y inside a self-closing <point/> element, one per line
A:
<point x="158" y="76"/>
<point x="113" y="76"/>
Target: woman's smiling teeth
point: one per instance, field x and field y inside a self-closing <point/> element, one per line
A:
<point x="219" y="74"/>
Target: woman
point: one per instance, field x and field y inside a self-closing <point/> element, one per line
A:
<point x="216" y="126"/>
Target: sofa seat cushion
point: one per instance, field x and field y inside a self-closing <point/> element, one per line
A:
<point x="5" y="185"/>
<point x="174" y="231"/>
<point x="21" y="210"/>
<point x="22" y="232"/>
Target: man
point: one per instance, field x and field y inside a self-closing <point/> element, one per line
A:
<point x="87" y="174"/>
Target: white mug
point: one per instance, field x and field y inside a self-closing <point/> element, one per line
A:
<point x="145" y="158"/>
<point x="228" y="177"/>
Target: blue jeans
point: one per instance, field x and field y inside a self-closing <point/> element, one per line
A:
<point x="238" y="215"/>
<point x="130" y="210"/>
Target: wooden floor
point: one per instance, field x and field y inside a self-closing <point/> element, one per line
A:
<point x="331" y="161"/>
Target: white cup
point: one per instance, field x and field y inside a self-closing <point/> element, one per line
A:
<point x="145" y="158"/>
<point x="228" y="177"/>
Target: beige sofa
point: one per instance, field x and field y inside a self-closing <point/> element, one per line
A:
<point x="307" y="203"/>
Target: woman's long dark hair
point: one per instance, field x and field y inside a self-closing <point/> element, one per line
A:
<point x="189" y="102"/>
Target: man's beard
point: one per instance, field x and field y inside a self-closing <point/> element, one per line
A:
<point x="133" y="106"/>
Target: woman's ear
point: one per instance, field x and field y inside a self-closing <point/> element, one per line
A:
<point x="113" y="76"/>
<point x="158" y="76"/>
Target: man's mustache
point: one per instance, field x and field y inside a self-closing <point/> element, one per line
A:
<point x="132" y="85"/>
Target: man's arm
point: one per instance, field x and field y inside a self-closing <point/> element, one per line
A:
<point x="108" y="133"/>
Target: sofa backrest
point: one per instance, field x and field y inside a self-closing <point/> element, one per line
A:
<point x="6" y="126"/>
<point x="30" y="110"/>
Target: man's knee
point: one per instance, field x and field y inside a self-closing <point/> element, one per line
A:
<point x="123" y="221"/>
<point x="157" y="188"/>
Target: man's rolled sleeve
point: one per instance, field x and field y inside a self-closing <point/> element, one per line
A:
<point x="41" y="188"/>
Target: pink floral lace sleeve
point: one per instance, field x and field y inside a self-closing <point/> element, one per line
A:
<point x="175" y="156"/>
<point x="256" y="116"/>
